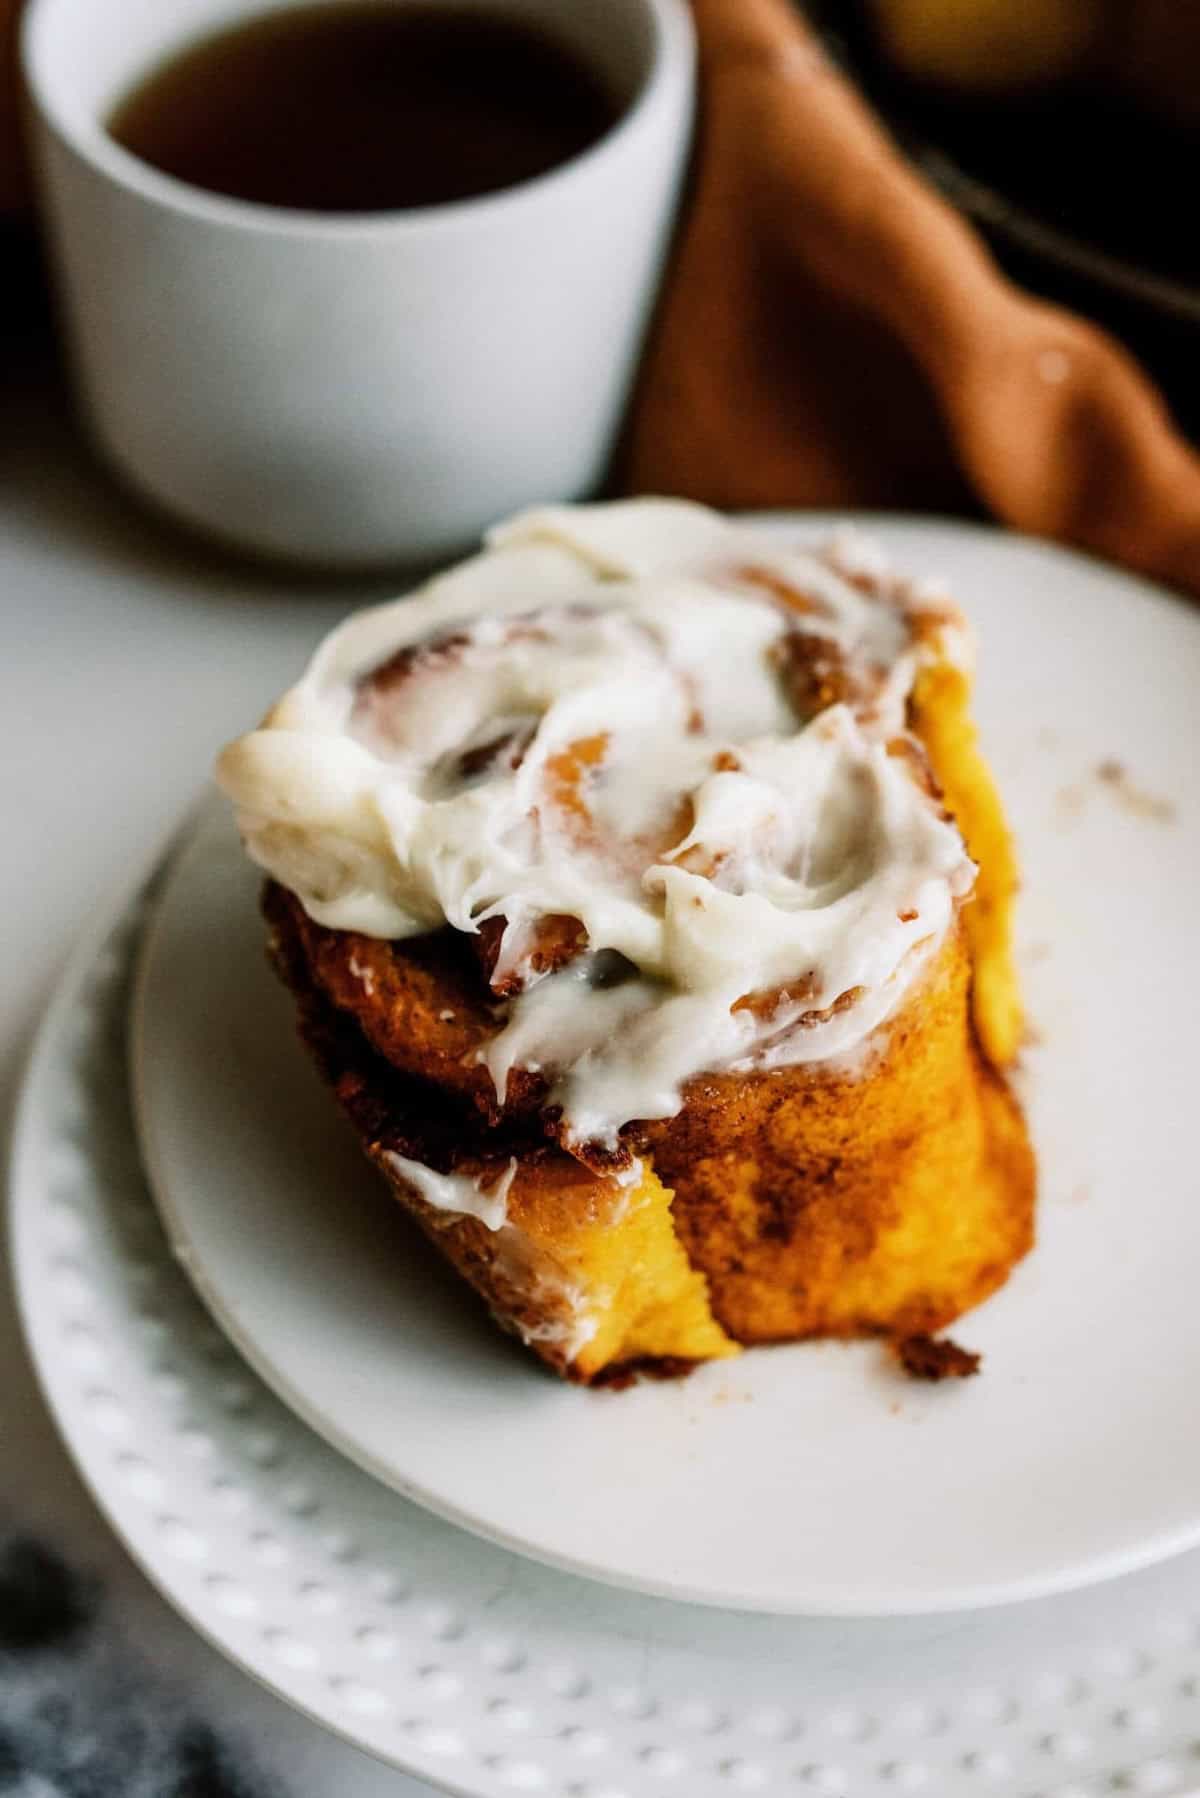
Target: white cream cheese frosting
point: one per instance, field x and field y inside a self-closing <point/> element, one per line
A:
<point x="461" y="1195"/>
<point x="686" y="734"/>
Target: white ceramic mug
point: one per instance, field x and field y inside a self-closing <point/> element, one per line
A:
<point x="354" y="390"/>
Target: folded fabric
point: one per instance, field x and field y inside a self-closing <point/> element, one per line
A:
<point x="834" y="334"/>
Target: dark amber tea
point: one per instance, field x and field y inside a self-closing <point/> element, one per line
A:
<point x="365" y="106"/>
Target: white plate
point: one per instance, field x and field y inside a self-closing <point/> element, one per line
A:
<point x="483" y="1672"/>
<point x="813" y="1478"/>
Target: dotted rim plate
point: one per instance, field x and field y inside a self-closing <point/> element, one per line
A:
<point x="452" y="1659"/>
<point x="455" y="1660"/>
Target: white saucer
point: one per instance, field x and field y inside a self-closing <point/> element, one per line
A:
<point x="481" y="1671"/>
<point x="805" y="1479"/>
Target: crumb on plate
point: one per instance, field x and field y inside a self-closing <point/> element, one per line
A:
<point x="935" y="1358"/>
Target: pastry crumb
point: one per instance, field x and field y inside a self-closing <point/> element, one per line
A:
<point x="1115" y="775"/>
<point x="1069" y="802"/>
<point x="619" y="1376"/>
<point x="935" y="1358"/>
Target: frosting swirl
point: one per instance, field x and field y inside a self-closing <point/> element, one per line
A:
<point x="657" y="762"/>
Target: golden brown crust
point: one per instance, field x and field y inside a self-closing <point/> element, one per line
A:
<point x="885" y="1198"/>
<point x="421" y="1003"/>
<point x="398" y="1115"/>
<point x="560" y="1251"/>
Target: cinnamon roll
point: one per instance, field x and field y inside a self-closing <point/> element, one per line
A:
<point x="647" y="903"/>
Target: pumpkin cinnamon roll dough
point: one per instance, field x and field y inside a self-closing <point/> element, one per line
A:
<point x="647" y="904"/>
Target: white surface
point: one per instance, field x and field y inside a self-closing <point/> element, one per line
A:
<point x="758" y="1483"/>
<point x="488" y="1673"/>
<point x="349" y="390"/>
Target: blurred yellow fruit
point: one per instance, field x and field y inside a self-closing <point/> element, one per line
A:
<point x="988" y="45"/>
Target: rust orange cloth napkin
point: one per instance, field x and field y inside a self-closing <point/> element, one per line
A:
<point x="833" y="334"/>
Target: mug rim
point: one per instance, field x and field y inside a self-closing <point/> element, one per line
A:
<point x="672" y="59"/>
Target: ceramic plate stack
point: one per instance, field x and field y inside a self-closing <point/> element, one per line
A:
<point x="803" y="1541"/>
